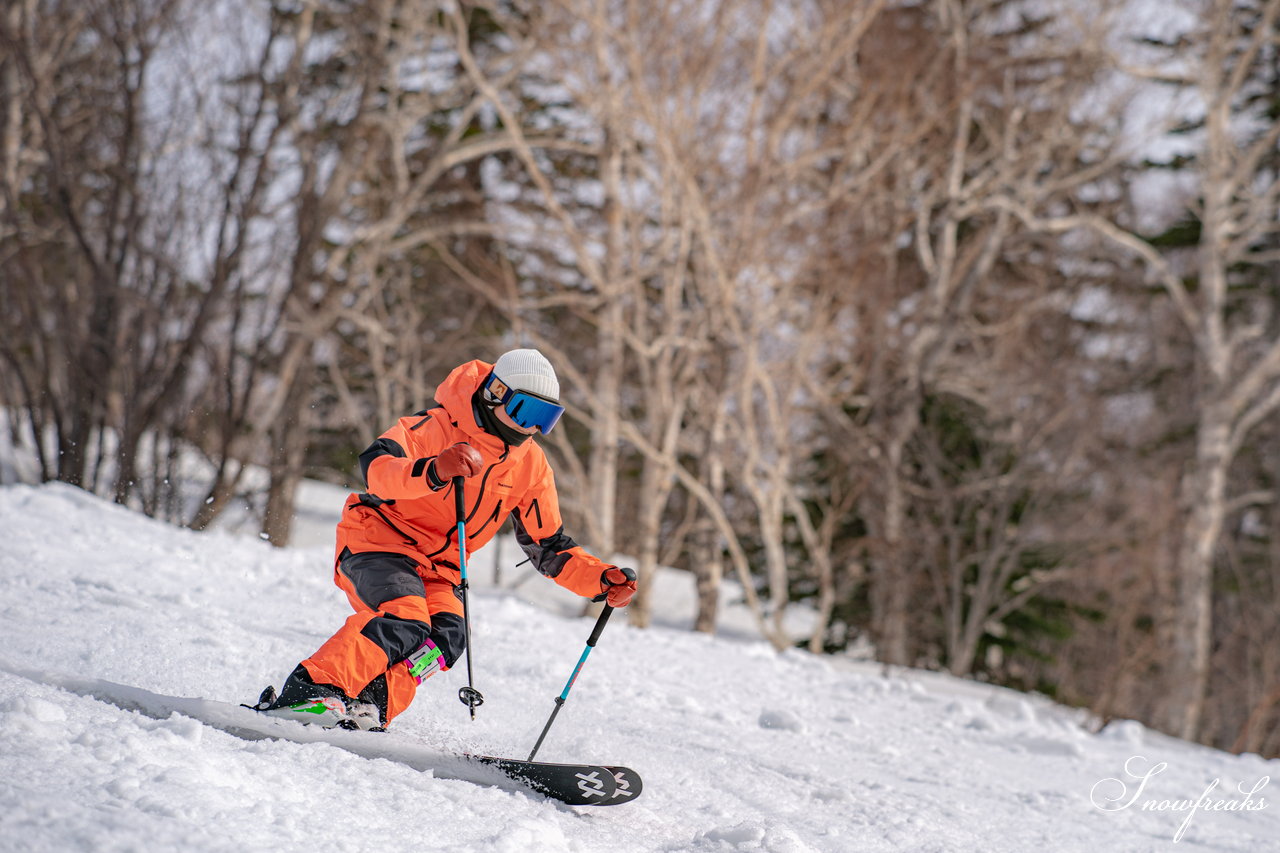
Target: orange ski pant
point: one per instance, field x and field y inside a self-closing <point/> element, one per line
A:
<point x="379" y="635"/>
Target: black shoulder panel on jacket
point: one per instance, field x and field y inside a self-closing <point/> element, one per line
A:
<point x="381" y="447"/>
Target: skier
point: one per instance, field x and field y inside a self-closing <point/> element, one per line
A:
<point x="397" y="554"/>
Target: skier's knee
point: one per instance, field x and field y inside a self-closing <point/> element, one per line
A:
<point x="396" y="636"/>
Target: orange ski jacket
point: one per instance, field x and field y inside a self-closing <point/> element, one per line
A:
<point x="402" y="513"/>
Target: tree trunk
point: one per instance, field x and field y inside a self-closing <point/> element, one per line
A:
<point x="891" y="592"/>
<point x="708" y="573"/>
<point x="286" y="474"/>
<point x="1191" y="626"/>
<point x="604" y="450"/>
<point x="289" y="438"/>
<point x="653" y="499"/>
<point x="220" y="494"/>
<point x="709" y="568"/>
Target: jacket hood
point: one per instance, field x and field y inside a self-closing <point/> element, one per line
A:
<point x="455" y="394"/>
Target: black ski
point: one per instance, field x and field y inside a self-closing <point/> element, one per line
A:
<point x="575" y="784"/>
<point x="572" y="784"/>
<point x="628" y="786"/>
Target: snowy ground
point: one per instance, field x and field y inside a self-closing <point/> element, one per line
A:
<point x="740" y="748"/>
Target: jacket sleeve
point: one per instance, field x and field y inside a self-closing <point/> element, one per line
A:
<point x="391" y="471"/>
<point x="540" y="532"/>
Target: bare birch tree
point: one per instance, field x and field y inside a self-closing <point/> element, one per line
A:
<point x="963" y="108"/>
<point x="1237" y="349"/>
<point x="381" y="131"/>
<point x="627" y="283"/>
<point x="703" y="224"/>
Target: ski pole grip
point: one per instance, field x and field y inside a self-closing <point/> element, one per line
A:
<point x="459" y="502"/>
<point x="600" y="623"/>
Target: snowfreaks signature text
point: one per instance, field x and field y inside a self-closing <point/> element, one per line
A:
<point x="1114" y="795"/>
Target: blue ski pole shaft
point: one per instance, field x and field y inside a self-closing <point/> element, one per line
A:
<point x="468" y="695"/>
<point x="564" y="694"/>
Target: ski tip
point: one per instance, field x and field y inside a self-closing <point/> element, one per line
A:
<point x="627" y="786"/>
<point x="571" y="784"/>
<point x="266" y="698"/>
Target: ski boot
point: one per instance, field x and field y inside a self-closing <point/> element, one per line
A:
<point x="307" y="702"/>
<point x="365" y="716"/>
<point x="369" y="710"/>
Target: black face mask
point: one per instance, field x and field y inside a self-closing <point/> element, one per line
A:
<point x="487" y="419"/>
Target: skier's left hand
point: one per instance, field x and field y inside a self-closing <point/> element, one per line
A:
<point x="617" y="585"/>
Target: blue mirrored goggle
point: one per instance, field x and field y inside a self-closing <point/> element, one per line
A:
<point x="525" y="408"/>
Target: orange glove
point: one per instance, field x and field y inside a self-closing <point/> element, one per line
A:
<point x="617" y="586"/>
<point x="461" y="460"/>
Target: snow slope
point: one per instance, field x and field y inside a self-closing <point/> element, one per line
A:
<point x="740" y="748"/>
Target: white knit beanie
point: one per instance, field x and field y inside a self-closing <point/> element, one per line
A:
<point x="528" y="370"/>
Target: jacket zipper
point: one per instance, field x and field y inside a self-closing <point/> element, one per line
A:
<point x="497" y="511"/>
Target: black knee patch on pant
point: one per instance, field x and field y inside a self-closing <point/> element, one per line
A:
<point x="448" y="632"/>
<point x="398" y="637"/>
<point x="380" y="576"/>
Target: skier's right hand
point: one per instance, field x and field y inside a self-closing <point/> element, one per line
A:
<point x="460" y="460"/>
<point x="617" y="585"/>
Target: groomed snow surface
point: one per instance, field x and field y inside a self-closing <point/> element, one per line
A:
<point x="740" y="748"/>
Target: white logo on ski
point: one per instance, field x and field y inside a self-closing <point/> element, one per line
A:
<point x="590" y="784"/>
<point x="624" y="786"/>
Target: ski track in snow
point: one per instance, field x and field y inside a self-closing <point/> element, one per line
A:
<point x="740" y="748"/>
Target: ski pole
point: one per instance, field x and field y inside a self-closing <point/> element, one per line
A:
<point x="468" y="695"/>
<point x="564" y="694"/>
